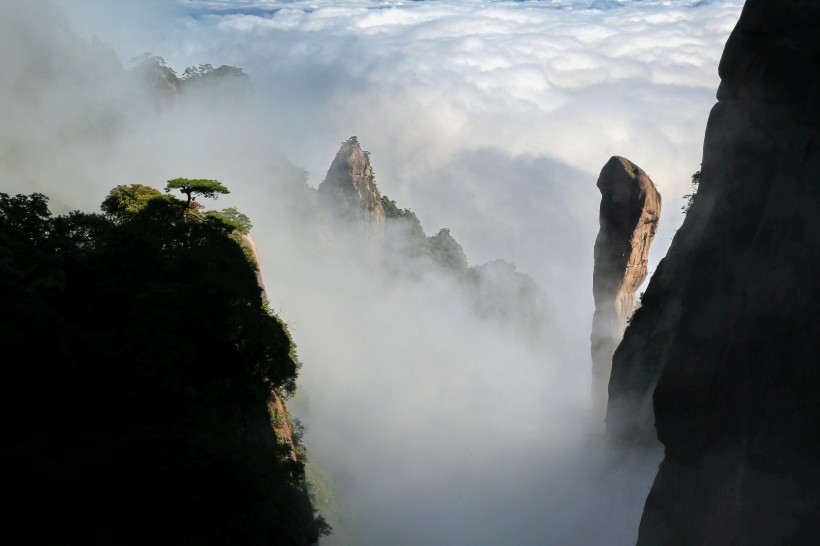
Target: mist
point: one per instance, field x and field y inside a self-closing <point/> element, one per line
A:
<point x="435" y="424"/>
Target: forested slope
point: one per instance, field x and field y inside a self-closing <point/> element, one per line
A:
<point x="139" y="362"/>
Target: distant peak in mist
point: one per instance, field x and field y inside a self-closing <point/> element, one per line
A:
<point x="394" y="237"/>
<point x="165" y="87"/>
<point x="351" y="183"/>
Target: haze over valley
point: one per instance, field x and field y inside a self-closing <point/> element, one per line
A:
<point x="421" y="180"/>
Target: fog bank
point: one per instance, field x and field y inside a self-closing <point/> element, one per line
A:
<point x="436" y="424"/>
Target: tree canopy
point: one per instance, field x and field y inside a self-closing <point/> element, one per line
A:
<point x="234" y="218"/>
<point x="124" y="201"/>
<point x="197" y="186"/>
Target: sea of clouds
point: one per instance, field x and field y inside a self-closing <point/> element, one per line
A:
<point x="490" y="118"/>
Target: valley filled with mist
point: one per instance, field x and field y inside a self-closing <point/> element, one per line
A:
<point x="441" y="313"/>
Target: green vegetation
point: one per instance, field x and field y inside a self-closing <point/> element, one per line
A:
<point x="139" y="363"/>
<point x="197" y="186"/>
<point x="393" y="212"/>
<point x="234" y="218"/>
<point x="125" y="201"/>
<point x="404" y="236"/>
<point x="690" y="197"/>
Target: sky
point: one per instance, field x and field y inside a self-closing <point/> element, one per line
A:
<point x="478" y="103"/>
<point x="490" y="118"/>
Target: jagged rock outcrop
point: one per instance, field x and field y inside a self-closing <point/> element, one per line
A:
<point x="349" y="192"/>
<point x="629" y="216"/>
<point x="446" y="251"/>
<point x="722" y="358"/>
<point x="395" y="237"/>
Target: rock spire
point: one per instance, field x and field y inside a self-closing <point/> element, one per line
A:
<point x="628" y="218"/>
<point x="349" y="192"/>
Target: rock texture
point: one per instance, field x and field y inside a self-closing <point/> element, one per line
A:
<point x="277" y="408"/>
<point x="723" y="358"/>
<point x="349" y="191"/>
<point x="628" y="218"/>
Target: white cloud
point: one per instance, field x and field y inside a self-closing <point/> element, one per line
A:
<point x="491" y="118"/>
<point x="424" y="83"/>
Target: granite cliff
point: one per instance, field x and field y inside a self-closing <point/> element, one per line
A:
<point x="628" y="219"/>
<point x="349" y="193"/>
<point x="722" y="356"/>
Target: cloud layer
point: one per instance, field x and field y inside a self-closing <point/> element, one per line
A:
<point x="427" y="85"/>
<point x="491" y="118"/>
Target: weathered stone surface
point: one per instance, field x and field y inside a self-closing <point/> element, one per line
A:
<point x="349" y="191"/>
<point x="628" y="218"/>
<point x="723" y="358"/>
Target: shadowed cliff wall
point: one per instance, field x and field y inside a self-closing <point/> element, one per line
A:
<point x="723" y="356"/>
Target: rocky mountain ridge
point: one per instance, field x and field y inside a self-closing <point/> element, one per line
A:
<point x="165" y="88"/>
<point x="394" y="238"/>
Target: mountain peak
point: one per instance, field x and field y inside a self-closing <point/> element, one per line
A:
<point x="349" y="190"/>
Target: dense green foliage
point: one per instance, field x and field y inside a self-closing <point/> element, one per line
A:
<point x="124" y="201"/>
<point x="197" y="186"/>
<point x="234" y="218"/>
<point x="139" y="362"/>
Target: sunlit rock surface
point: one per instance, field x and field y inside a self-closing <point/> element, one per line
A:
<point x="349" y="192"/>
<point x="278" y="409"/>
<point x="445" y="250"/>
<point x="629" y="216"/>
<point x="722" y="360"/>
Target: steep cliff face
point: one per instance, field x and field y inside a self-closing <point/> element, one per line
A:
<point x="628" y="218"/>
<point x="349" y="191"/>
<point x="723" y="355"/>
<point x="277" y="408"/>
<point x="248" y="243"/>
